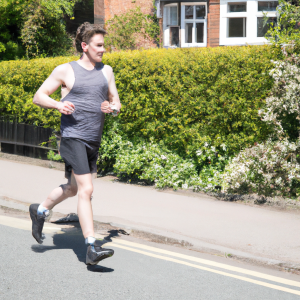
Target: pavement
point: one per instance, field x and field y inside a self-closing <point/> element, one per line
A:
<point x="194" y="221"/>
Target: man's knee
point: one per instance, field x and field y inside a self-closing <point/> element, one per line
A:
<point x="86" y="191"/>
<point x="69" y="190"/>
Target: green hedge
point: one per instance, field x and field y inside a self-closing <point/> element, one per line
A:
<point x="185" y="97"/>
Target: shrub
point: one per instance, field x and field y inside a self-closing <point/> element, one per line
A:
<point x="19" y="80"/>
<point x="187" y="97"/>
<point x="184" y="97"/>
<point x="268" y="169"/>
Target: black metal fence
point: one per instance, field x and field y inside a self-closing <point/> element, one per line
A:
<point x="22" y="139"/>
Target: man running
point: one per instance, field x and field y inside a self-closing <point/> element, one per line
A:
<point x="89" y="92"/>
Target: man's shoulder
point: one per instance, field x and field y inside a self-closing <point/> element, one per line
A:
<point x="108" y="68"/>
<point x="62" y="70"/>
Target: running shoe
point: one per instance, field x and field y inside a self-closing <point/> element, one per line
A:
<point x="37" y="222"/>
<point x="96" y="253"/>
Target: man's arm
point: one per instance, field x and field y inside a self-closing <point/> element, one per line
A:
<point x="50" y="85"/>
<point x="113" y="95"/>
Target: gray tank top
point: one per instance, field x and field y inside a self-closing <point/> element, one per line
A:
<point x="89" y="91"/>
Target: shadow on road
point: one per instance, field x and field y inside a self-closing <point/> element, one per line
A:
<point x="74" y="240"/>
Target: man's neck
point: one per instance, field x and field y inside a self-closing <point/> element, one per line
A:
<point x="86" y="62"/>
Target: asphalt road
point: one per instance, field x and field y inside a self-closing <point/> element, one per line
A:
<point x="56" y="270"/>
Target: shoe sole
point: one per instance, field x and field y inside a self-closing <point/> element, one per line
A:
<point x="98" y="260"/>
<point x="33" y="219"/>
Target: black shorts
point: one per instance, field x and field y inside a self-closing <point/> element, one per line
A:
<point x="79" y="156"/>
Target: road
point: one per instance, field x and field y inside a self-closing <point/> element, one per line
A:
<point x="138" y="270"/>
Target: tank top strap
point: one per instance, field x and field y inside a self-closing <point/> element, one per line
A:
<point x="75" y="66"/>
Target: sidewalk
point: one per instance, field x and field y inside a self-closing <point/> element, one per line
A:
<point x="209" y="225"/>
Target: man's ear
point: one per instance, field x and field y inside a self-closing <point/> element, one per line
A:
<point x="84" y="46"/>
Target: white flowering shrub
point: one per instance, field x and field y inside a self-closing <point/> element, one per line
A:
<point x="267" y="169"/>
<point x="283" y="106"/>
<point x="272" y="168"/>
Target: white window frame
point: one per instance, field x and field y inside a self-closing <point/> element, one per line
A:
<point x="261" y="14"/>
<point x="166" y="29"/>
<point x="193" y="21"/>
<point x="251" y="16"/>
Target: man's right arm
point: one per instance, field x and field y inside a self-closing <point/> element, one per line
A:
<point x="50" y="85"/>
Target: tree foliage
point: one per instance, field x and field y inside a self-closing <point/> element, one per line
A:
<point x="34" y="28"/>
<point x="287" y="29"/>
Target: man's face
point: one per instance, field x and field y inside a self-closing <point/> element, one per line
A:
<point x="95" y="48"/>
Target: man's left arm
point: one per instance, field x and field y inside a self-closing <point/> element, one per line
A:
<point x="113" y="95"/>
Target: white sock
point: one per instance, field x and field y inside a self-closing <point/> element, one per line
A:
<point x="42" y="211"/>
<point x="90" y="240"/>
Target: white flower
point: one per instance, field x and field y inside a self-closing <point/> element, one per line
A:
<point x="199" y="152"/>
<point x="206" y="145"/>
<point x="163" y="157"/>
<point x="185" y="186"/>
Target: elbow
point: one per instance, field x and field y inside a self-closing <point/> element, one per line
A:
<point x="35" y="99"/>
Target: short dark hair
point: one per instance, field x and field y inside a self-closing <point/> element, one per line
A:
<point x="85" y="32"/>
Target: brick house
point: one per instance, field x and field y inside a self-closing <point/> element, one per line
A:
<point x="194" y="23"/>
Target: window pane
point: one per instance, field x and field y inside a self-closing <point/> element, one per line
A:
<point x="174" y="36"/>
<point x="237" y="7"/>
<point x="188" y="32"/>
<point x="199" y="32"/>
<point x="173" y="15"/>
<point x="263" y="26"/>
<point x="189" y="9"/>
<point x="237" y="27"/>
<point x="200" y="12"/>
<point x="267" y="5"/>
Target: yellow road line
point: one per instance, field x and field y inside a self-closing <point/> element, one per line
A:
<point x="265" y="284"/>
<point x="24" y="224"/>
<point x="210" y="263"/>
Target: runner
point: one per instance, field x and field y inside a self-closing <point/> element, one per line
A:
<point x="89" y="91"/>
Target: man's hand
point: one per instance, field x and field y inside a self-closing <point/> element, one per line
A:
<point x="116" y="104"/>
<point x="65" y="107"/>
<point x="105" y="107"/>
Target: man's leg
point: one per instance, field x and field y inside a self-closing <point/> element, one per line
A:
<point x="84" y="208"/>
<point x="95" y="253"/>
<point x="39" y="212"/>
<point x="61" y="193"/>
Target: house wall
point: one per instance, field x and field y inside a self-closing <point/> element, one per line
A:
<point x="107" y="9"/>
<point x="99" y="12"/>
<point x="213" y="23"/>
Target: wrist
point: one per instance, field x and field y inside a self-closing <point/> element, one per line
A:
<point x="58" y="105"/>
